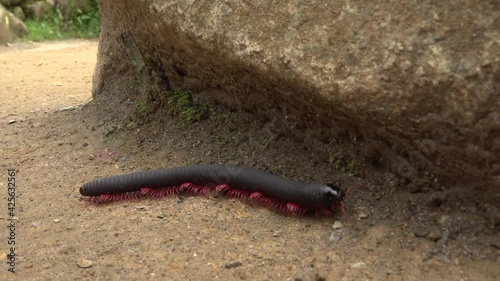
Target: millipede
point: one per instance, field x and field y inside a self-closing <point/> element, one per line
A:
<point x="274" y="192"/>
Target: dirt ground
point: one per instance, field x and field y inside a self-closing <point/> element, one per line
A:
<point x="57" y="139"/>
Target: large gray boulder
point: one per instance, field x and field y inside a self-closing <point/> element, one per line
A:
<point x="11" y="28"/>
<point x="416" y="83"/>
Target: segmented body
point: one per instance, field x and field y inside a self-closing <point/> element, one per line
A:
<point x="275" y="192"/>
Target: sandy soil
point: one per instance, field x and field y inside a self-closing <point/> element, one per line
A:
<point x="56" y="141"/>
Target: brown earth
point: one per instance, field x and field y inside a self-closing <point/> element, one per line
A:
<point x="56" y="140"/>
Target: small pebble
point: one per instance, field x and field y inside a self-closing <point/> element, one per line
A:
<point x="68" y="108"/>
<point x="337" y="225"/>
<point x="434" y="235"/>
<point x="443" y="259"/>
<point x="57" y="220"/>
<point x="362" y="215"/>
<point x="233" y="264"/>
<point x="12" y="121"/>
<point x="495" y="244"/>
<point x="334" y="238"/>
<point x="161" y="216"/>
<point x="443" y="219"/>
<point x="358" y="265"/>
<point x="421" y="232"/>
<point x="83" y="263"/>
<point x="35" y="224"/>
<point x="142" y="207"/>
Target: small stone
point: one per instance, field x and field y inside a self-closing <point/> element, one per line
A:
<point x="161" y="216"/>
<point x="68" y="108"/>
<point x="337" y="225"/>
<point x="57" y="220"/>
<point x="443" y="219"/>
<point x="58" y="83"/>
<point x="443" y="259"/>
<point x="456" y="261"/>
<point x="358" y="265"/>
<point x="12" y="121"/>
<point x="334" y="238"/>
<point x="8" y="44"/>
<point x="83" y="263"/>
<point x="362" y="215"/>
<point x="142" y="207"/>
<point x="421" y="232"/>
<point x="35" y="224"/>
<point x="495" y="244"/>
<point x="434" y="235"/>
<point x="233" y="264"/>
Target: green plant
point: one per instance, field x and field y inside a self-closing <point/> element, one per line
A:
<point x="226" y="118"/>
<point x="80" y="24"/>
<point x="131" y="125"/>
<point x="144" y="105"/>
<point x="181" y="103"/>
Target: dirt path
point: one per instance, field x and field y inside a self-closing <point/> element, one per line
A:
<point x="56" y="144"/>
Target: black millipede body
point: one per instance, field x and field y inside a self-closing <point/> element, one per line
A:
<point x="244" y="180"/>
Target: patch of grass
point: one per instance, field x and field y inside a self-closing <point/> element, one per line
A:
<point x="55" y="27"/>
<point x="39" y="31"/>
<point x="220" y="118"/>
<point x="182" y="105"/>
<point x="144" y="106"/>
<point x="226" y="118"/>
<point x="131" y="125"/>
<point x="341" y="160"/>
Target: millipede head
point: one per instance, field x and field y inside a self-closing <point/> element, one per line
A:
<point x="336" y="197"/>
<point x="333" y="193"/>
